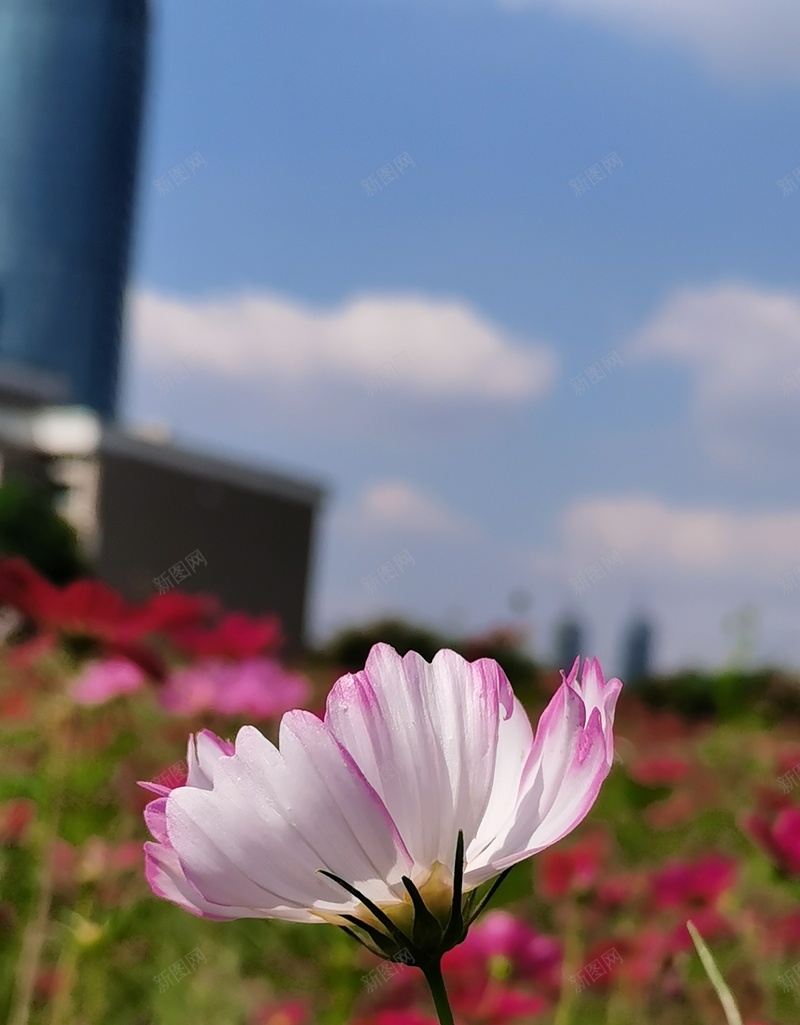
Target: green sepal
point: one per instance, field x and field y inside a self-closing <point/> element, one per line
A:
<point x="456" y="930"/>
<point x="427" y="934"/>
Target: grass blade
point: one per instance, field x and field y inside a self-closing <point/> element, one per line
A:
<point x="725" y="996"/>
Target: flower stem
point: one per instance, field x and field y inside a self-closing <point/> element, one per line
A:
<point x="433" y="976"/>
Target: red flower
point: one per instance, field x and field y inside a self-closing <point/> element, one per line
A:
<point x="405" y="1017"/>
<point x="780" y="837"/>
<point x="235" y="636"/>
<point x="171" y="611"/>
<point x="659" y="771"/>
<point x="564" y="872"/>
<point x="787" y="761"/>
<point x="15" y="817"/>
<point x="501" y="945"/>
<point x="644" y="957"/>
<point x="290" y="1012"/>
<point x="496" y="1004"/>
<point x="698" y="884"/>
<point x="785" y="932"/>
<point x="618" y="890"/>
<point x="709" y="923"/>
<point x="23" y="588"/>
<point x="529" y="955"/>
<point x="92" y="618"/>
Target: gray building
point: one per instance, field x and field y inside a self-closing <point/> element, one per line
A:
<point x="71" y="83"/>
<point x="153" y="516"/>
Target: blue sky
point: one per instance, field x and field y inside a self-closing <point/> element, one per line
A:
<point x="482" y="285"/>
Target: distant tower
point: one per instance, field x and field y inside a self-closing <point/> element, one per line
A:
<point x="569" y="641"/>
<point x="637" y="651"/>
<point x="71" y="85"/>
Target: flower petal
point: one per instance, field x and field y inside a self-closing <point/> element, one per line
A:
<point x="204" y="751"/>
<point x="569" y="760"/>
<point x="425" y="736"/>
<point x="513" y="750"/>
<point x="156" y="819"/>
<point x="166" y="877"/>
<point x="275" y="818"/>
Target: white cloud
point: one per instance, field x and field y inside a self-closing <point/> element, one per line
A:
<point x="695" y="567"/>
<point x="742" y="347"/>
<point x="399" y="506"/>
<point x="406" y="344"/>
<point x="655" y="538"/>
<point x="735" y="37"/>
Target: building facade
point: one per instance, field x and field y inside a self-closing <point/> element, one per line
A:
<point x="153" y="517"/>
<point x="71" y="87"/>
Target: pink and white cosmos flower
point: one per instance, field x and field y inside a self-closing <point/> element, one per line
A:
<point x="410" y="756"/>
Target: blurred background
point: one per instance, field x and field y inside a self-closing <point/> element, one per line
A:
<point x="500" y="291"/>
<point x="467" y="323"/>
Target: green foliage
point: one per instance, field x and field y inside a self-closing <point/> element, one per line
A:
<point x="348" y="649"/>
<point x="88" y="799"/>
<point x="30" y="527"/>
<point x="732" y="694"/>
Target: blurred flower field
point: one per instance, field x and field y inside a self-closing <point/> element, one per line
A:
<point x="699" y="819"/>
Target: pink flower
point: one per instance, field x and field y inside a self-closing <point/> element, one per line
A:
<point x="574" y="870"/>
<point x="356" y="819"/>
<point x="502" y="944"/>
<point x="405" y="1017"/>
<point x="499" y="935"/>
<point x="102" y="681"/>
<point x="500" y="1006"/>
<point x="290" y="1012"/>
<point x="203" y="748"/>
<point x="236" y="635"/>
<point x="781" y="838"/>
<point x="258" y="687"/>
<point x="15" y="818"/>
<point x="700" y="882"/>
<point x="660" y="770"/>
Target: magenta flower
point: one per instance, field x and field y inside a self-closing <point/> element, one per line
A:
<point x="529" y="954"/>
<point x="258" y="687"/>
<point x="356" y="819"/>
<point x="101" y="681"/>
<point x="781" y="837"/>
<point x="697" y="883"/>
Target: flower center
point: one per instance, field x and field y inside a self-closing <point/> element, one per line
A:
<point x="436" y="891"/>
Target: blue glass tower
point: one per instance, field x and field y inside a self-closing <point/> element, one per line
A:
<point x="568" y="642"/>
<point x="71" y="87"/>
<point x="637" y="650"/>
